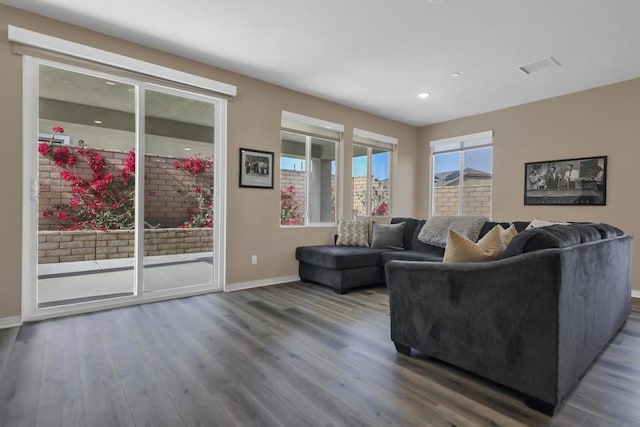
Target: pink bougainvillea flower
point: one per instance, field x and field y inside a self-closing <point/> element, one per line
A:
<point x="62" y="156"/>
<point x="57" y="129"/>
<point x="44" y="149"/>
<point x="96" y="162"/>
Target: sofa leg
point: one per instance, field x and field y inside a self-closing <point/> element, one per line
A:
<point x="340" y="291"/>
<point x="402" y="349"/>
<point x="540" y="406"/>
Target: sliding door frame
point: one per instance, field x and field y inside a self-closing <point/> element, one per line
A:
<point x="30" y="310"/>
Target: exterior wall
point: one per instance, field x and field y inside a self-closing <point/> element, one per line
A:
<point x="446" y="201"/>
<point x="477" y="200"/>
<point x="167" y="189"/>
<point x="359" y="184"/>
<point x="68" y="246"/>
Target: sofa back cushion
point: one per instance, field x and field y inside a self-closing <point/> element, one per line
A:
<point x="607" y="231"/>
<point x="410" y="225"/>
<point x="489" y="225"/>
<point x="555" y="236"/>
<point x="419" y="246"/>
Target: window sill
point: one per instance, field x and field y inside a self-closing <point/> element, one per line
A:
<point x="312" y="225"/>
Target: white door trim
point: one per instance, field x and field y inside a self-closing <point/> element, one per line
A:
<point x="30" y="310"/>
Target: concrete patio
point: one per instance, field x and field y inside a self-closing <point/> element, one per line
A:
<point x="72" y="282"/>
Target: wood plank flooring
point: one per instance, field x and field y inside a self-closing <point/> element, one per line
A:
<point x="286" y="355"/>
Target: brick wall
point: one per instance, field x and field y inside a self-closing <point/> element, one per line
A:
<point x="67" y="246"/>
<point x="477" y="200"/>
<point x="359" y="202"/>
<point x="359" y="196"/>
<point x="166" y="189"/>
<point x="296" y="179"/>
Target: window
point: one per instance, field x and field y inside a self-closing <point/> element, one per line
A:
<point x="371" y="189"/>
<point x="462" y="175"/>
<point x="308" y="170"/>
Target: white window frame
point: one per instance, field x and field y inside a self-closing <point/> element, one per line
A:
<point x="310" y="128"/>
<point x="457" y="144"/>
<point x="370" y="141"/>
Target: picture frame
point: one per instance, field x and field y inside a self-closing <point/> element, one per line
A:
<point x="577" y="182"/>
<point x="256" y="168"/>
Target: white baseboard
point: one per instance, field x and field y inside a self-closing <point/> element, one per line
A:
<point x="10" y="322"/>
<point x="635" y="294"/>
<point x="258" y="283"/>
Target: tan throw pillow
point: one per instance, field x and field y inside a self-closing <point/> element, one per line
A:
<point x="352" y="233"/>
<point x="508" y="234"/>
<point x="461" y="249"/>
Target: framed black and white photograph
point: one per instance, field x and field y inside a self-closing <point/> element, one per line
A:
<point x="256" y="168"/>
<point x="581" y="181"/>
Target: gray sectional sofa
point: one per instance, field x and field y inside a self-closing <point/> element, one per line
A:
<point x="533" y="321"/>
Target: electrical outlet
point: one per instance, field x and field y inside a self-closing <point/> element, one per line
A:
<point x="254" y="259"/>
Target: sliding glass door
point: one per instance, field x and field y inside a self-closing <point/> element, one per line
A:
<point x="179" y="187"/>
<point x="122" y="190"/>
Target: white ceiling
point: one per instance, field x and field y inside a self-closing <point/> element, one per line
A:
<point x="377" y="55"/>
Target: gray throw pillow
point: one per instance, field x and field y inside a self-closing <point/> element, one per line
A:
<point x="387" y="236"/>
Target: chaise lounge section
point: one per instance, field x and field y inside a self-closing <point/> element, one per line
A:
<point x="347" y="267"/>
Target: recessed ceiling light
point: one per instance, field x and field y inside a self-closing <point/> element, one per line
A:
<point x="435" y="1"/>
<point x="424" y="95"/>
<point x="187" y="149"/>
<point x="98" y="122"/>
<point x="110" y="83"/>
<point x="455" y="74"/>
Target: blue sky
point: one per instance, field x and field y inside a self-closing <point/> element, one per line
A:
<point x="480" y="159"/>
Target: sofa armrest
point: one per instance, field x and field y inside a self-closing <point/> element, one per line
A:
<point x="495" y="319"/>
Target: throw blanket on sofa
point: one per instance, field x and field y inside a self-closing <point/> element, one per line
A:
<point x="435" y="230"/>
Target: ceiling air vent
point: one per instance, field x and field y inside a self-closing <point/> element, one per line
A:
<point x="540" y="65"/>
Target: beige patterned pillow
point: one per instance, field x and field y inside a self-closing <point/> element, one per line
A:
<point x="353" y="233"/>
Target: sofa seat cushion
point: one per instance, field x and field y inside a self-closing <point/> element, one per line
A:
<point x="340" y="257"/>
<point x="411" y="256"/>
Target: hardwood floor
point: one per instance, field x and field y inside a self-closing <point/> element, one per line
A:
<point x="292" y="355"/>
